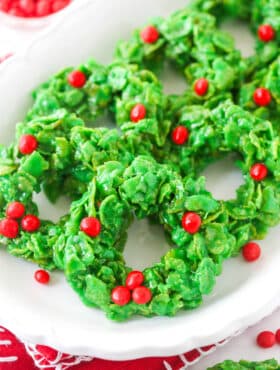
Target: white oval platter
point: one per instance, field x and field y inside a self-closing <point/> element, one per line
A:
<point x="53" y="315"/>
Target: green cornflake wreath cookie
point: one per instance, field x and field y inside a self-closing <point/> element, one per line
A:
<point x="261" y="94"/>
<point x="148" y="167"/>
<point x="266" y="22"/>
<point x="222" y="9"/>
<point x="192" y="42"/>
<point x="263" y="17"/>
<point x="189" y="39"/>
<point x="205" y="231"/>
<point x="245" y="365"/>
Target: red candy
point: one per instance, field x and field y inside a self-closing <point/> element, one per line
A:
<point x="90" y="226"/>
<point x="59" y="5"/>
<point x="262" y="97"/>
<point x="16" y="11"/>
<point x="30" y="223"/>
<point x="180" y="135"/>
<point x="5" y="5"/>
<point x="251" y="251"/>
<point x="42" y="276"/>
<point x="27" y="144"/>
<point x="201" y="86"/>
<point x="15" y="210"/>
<point x="134" y="279"/>
<point x="258" y="171"/>
<point x="141" y="295"/>
<point x="9" y="228"/>
<point x="149" y="35"/>
<point x="77" y="79"/>
<point x="27" y="6"/>
<point x="266" y="339"/>
<point x="266" y="32"/>
<point x="277" y="336"/>
<point x="121" y="295"/>
<point x="191" y="222"/>
<point x="32" y="8"/>
<point x="43" y="8"/>
<point x="137" y="113"/>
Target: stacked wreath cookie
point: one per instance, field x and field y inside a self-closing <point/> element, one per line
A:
<point x="149" y="166"/>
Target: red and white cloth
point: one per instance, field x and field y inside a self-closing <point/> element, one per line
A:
<point x="14" y="355"/>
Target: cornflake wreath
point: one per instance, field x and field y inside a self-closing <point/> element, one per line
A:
<point x="148" y="169"/>
<point x="247" y="365"/>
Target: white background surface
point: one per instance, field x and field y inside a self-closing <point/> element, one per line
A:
<point x="243" y="346"/>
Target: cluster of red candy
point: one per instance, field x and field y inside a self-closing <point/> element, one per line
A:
<point x="32" y="8"/>
<point x="133" y="289"/>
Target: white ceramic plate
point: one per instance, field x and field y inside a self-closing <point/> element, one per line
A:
<point x="54" y="315"/>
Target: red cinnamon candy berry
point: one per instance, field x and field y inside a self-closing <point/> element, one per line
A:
<point x="43" y="8"/>
<point x="77" y="79"/>
<point x="149" y="35"/>
<point x="266" y="32"/>
<point x="9" y="228"/>
<point x="5" y="5"/>
<point x="27" y="6"/>
<point x="191" y="222"/>
<point x="266" y="339"/>
<point x="90" y="226"/>
<point x="251" y="251"/>
<point x="27" y="144"/>
<point x="201" y="86"/>
<point x="138" y="112"/>
<point x="258" y="171"/>
<point x="30" y="223"/>
<point x="16" y="11"/>
<point x="262" y="96"/>
<point x="42" y="276"/>
<point x="121" y="295"/>
<point x="277" y="336"/>
<point x="58" y="5"/>
<point x="15" y="210"/>
<point x="134" y="279"/>
<point x="180" y="135"/>
<point x="141" y="295"/>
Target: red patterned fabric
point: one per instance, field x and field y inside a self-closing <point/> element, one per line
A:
<point x="14" y="355"/>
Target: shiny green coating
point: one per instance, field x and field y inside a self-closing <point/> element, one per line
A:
<point x="247" y="365"/>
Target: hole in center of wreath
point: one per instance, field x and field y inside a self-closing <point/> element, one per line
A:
<point x="51" y="211"/>
<point x="145" y="245"/>
<point x="223" y="178"/>
<point x="173" y="82"/>
<point x="244" y="39"/>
